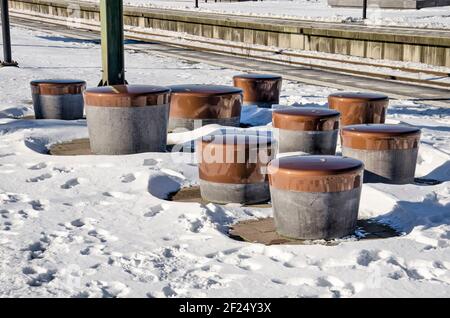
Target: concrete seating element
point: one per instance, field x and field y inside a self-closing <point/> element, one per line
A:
<point x="58" y="99"/>
<point x="232" y="168"/>
<point x="127" y="119"/>
<point x="306" y="129"/>
<point x="315" y="197"/>
<point x="389" y="152"/>
<point x="193" y="106"/>
<point x="262" y="90"/>
<point x="359" y="108"/>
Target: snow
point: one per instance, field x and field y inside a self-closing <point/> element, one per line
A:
<point x="399" y="69"/>
<point x="98" y="226"/>
<point x="315" y="10"/>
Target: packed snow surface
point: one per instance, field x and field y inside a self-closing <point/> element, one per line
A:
<point x="316" y="10"/>
<point x="98" y="226"/>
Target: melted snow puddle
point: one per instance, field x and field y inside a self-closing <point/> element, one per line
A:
<point x="81" y="147"/>
<point x="167" y="186"/>
<point x="262" y="230"/>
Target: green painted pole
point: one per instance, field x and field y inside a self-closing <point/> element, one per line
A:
<point x="111" y="15"/>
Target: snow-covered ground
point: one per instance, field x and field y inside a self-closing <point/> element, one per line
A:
<point x="96" y="226"/>
<point x="317" y="10"/>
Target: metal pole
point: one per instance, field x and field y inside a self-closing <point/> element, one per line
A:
<point x="111" y="15"/>
<point x="7" y="56"/>
<point x="364" y="9"/>
<point x="196" y="3"/>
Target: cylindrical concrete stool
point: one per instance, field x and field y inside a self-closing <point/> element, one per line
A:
<point x="389" y="152"/>
<point x="306" y="129"/>
<point x="359" y="108"/>
<point x="127" y="119"/>
<point x="58" y="99"/>
<point x="262" y="90"/>
<point x="232" y="168"/>
<point x="193" y="106"/>
<point x="315" y="197"/>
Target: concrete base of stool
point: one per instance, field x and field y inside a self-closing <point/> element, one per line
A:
<point x="311" y="142"/>
<point x="191" y="124"/>
<point x="311" y="215"/>
<point x="386" y="166"/>
<point x="65" y="107"/>
<point x="127" y="130"/>
<point x="235" y="193"/>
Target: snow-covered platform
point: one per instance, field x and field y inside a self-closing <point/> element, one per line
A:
<point x="355" y="39"/>
<point x="101" y="226"/>
<point x="391" y="4"/>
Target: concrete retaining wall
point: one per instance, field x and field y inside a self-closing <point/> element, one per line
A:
<point x="391" y="4"/>
<point x="399" y="44"/>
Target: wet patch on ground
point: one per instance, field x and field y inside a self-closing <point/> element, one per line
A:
<point x="263" y="231"/>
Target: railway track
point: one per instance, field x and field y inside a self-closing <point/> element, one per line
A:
<point x="296" y="66"/>
<point x="344" y="64"/>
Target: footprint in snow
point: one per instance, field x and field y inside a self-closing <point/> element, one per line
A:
<point x="63" y="169"/>
<point x="155" y="210"/>
<point x="71" y="183"/>
<point x="249" y="265"/>
<point x="366" y="257"/>
<point x="78" y="223"/>
<point x="169" y="292"/>
<point x="39" y="205"/>
<point x="38" y="276"/>
<point x="106" y="289"/>
<point x="83" y="222"/>
<point x="93" y="250"/>
<point x="27" y="213"/>
<point x="102" y="235"/>
<point x="5" y="213"/>
<point x="193" y="223"/>
<point x="127" y="178"/>
<point x="13" y="197"/>
<point x="37" y="249"/>
<point x="150" y="162"/>
<point x="337" y="287"/>
<point x="40" y="178"/>
<point x="119" y="195"/>
<point x="9" y="220"/>
<point x="278" y="255"/>
<point x="39" y="166"/>
<point x="278" y="281"/>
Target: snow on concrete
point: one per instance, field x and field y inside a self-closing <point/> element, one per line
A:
<point x="98" y="226"/>
<point x="317" y="10"/>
